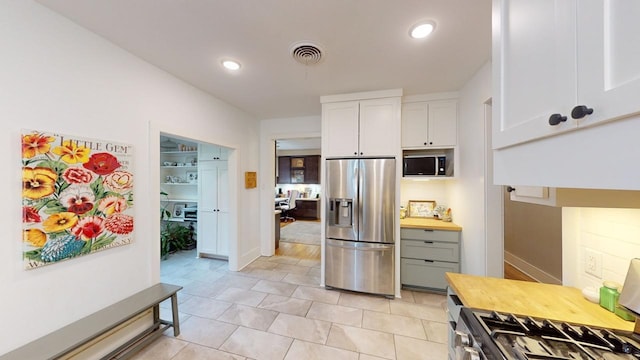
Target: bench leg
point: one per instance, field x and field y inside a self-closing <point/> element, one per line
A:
<point x="174" y="310"/>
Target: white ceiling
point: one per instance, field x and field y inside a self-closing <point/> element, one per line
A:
<point x="365" y="43"/>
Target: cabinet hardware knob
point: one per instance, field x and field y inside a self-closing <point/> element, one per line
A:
<point x="430" y="142"/>
<point x="429" y="230"/>
<point x="429" y="261"/>
<point x="361" y="152"/>
<point x="428" y="242"/>
<point x="581" y="111"/>
<point x="556" y="119"/>
<point x="511" y="189"/>
<point x="355" y="153"/>
<point x="425" y="143"/>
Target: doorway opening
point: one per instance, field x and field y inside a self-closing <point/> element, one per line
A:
<point x="297" y="186"/>
<point x="195" y="199"/>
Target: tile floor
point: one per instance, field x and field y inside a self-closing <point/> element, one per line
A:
<point x="274" y="309"/>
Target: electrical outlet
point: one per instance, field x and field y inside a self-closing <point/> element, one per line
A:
<point x="593" y="263"/>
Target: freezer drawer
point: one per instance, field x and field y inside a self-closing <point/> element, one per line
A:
<point x="424" y="273"/>
<point x="359" y="266"/>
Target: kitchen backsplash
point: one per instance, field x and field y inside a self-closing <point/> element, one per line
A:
<point x="612" y="234"/>
<point x="423" y="190"/>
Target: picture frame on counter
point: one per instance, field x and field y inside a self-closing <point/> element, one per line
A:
<point x="420" y="208"/>
<point x="178" y="211"/>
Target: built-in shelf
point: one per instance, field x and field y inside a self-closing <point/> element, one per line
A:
<point x="179" y="167"/>
<point x="180" y="200"/>
<point x="181" y="220"/>
<point x="178" y="152"/>
<point x="191" y="184"/>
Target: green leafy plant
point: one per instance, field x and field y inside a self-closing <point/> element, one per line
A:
<point x="174" y="237"/>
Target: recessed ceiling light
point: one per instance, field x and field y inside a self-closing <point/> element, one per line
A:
<point x="422" y="30"/>
<point x="231" y="65"/>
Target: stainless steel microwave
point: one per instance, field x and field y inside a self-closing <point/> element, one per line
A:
<point x="424" y="165"/>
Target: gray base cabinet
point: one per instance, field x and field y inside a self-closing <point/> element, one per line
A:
<point x="426" y="255"/>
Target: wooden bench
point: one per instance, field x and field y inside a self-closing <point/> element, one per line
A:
<point x="69" y="338"/>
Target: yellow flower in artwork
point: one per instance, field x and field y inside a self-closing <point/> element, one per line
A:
<point x="38" y="182"/>
<point x="71" y="153"/>
<point x="60" y="221"/>
<point x="35" y="237"/>
<point x="35" y="143"/>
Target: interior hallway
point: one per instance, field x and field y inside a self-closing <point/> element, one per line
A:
<point x="274" y="309"/>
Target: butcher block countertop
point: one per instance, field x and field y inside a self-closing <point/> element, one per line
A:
<point x="555" y="302"/>
<point x="428" y="223"/>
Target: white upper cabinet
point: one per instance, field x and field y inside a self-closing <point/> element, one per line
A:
<point x="560" y="65"/>
<point x="429" y="124"/>
<point x="361" y="127"/>
<point x="212" y="152"/>
<point x="534" y="73"/>
<point x="608" y="58"/>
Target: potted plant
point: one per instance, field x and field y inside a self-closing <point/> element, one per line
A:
<point x="174" y="237"/>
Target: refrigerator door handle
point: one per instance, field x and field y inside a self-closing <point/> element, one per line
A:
<point x="363" y="246"/>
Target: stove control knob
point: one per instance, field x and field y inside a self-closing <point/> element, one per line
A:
<point x="462" y="339"/>
<point x="470" y="354"/>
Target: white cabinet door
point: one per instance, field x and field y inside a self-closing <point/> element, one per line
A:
<point x="207" y="232"/>
<point x="534" y="69"/>
<point x="340" y="128"/>
<point x="608" y="58"/>
<point x="415" y="120"/>
<point x="380" y="127"/>
<point x="213" y="208"/>
<point x="443" y="123"/>
<point x="212" y="152"/>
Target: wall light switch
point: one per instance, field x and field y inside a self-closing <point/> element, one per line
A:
<point x="593" y="263"/>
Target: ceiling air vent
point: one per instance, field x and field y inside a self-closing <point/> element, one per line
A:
<point x="306" y="53"/>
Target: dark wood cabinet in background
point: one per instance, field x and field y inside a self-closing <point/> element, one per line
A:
<point x="307" y="209"/>
<point x="284" y="170"/>
<point x="310" y="171"/>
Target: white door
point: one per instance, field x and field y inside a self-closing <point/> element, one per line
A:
<point x="340" y="128"/>
<point x="222" y="231"/>
<point x="533" y="69"/>
<point x="608" y="58"/>
<point x="380" y="127"/>
<point x="207" y="232"/>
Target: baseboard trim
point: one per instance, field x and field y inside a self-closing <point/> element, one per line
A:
<point x="531" y="270"/>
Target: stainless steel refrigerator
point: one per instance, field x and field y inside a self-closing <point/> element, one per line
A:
<point x="360" y="223"/>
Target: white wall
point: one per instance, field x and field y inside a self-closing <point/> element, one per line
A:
<point x="467" y="191"/>
<point x="61" y="78"/>
<point x="271" y="130"/>
<point x="612" y="233"/>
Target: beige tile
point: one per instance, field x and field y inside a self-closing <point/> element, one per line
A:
<point x="411" y="349"/>
<point x="262" y="264"/>
<point x="204" y="307"/>
<point x="362" y="340"/>
<point x="167" y="314"/>
<point x="241" y="296"/>
<point x="305" y="280"/>
<point x="200" y="288"/>
<point x="436" y="331"/>
<point x="266" y="274"/>
<point x="164" y="348"/>
<point x="406" y="296"/>
<point x="366" y="302"/>
<point x="249" y="316"/>
<point x="317" y="294"/>
<point x="237" y="281"/>
<point x="312" y="263"/>
<point x="257" y="344"/>
<point x="301" y="328"/>
<point x="197" y="352"/>
<point x="292" y="269"/>
<point x="335" y="313"/>
<point x="314" y="272"/>
<point x="431" y="299"/>
<point x="286" y="304"/>
<point x="395" y="324"/>
<point x="274" y="287"/>
<point x="205" y="332"/>
<point x="310" y="351"/>
<point x="284" y="260"/>
<point x="370" y="357"/>
<point x="419" y="311"/>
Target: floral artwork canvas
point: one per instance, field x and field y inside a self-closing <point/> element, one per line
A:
<point x="77" y="196"/>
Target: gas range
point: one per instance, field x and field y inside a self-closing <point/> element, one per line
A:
<point x="484" y="334"/>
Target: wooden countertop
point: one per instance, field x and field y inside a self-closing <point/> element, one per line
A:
<point x="428" y="223"/>
<point x="556" y="302"/>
